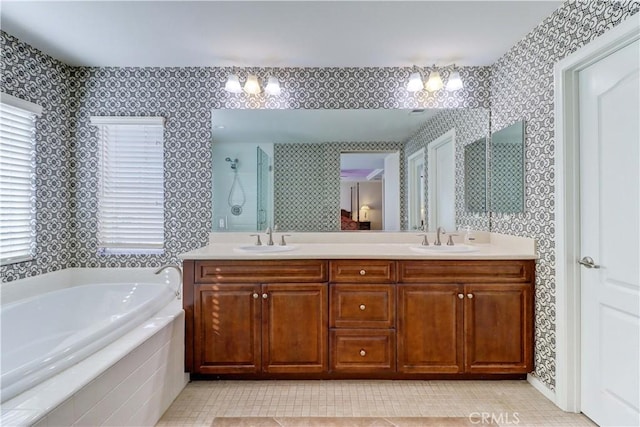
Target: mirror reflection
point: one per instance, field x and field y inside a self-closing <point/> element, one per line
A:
<point x="370" y="191"/>
<point x="290" y="168"/>
<point x="475" y="176"/>
<point x="507" y="169"/>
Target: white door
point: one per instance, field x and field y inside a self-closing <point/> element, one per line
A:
<point x="609" y="192"/>
<point x="442" y="183"/>
<point x="391" y="192"/>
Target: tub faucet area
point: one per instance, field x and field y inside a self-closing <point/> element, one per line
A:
<point x="179" y="270"/>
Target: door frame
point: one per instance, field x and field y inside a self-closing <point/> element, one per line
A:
<point x="449" y="136"/>
<point x="567" y="195"/>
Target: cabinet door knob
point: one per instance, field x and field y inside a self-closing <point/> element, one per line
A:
<point x="363" y="272"/>
<point x="470" y="296"/>
<point x="363" y="353"/>
<point x="265" y="296"/>
<point x="362" y="307"/>
<point x="461" y="296"/>
<point x="255" y="295"/>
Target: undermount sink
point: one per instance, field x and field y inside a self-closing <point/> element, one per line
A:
<point x="445" y="248"/>
<point x="264" y="249"/>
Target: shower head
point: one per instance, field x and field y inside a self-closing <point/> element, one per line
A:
<point x="234" y="162"/>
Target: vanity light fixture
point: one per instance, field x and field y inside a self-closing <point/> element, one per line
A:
<point x="434" y="82"/>
<point x="252" y="85"/>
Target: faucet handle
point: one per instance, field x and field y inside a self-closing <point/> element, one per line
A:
<point x="258" y="242"/>
<point x="282" y="241"/>
<point x="450" y="241"/>
<point x="425" y="242"/>
<point x="275" y="228"/>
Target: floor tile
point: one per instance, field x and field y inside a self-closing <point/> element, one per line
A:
<point x="446" y="403"/>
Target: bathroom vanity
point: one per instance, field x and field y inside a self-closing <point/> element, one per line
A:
<point x="395" y="313"/>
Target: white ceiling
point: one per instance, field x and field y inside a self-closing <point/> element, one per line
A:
<point x="316" y="126"/>
<point x="273" y="34"/>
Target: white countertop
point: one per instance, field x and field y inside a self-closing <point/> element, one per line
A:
<point x="488" y="246"/>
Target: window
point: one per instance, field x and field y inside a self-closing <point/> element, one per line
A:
<point x="17" y="179"/>
<point x="131" y="184"/>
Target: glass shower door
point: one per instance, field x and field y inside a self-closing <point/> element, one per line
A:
<point x="264" y="166"/>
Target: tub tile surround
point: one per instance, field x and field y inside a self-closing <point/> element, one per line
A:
<point x="129" y="382"/>
<point x="518" y="86"/>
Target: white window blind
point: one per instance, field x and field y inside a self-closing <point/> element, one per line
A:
<point x="131" y="193"/>
<point x="17" y="179"/>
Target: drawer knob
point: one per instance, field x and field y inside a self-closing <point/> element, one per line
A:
<point x="461" y="296"/>
<point x="363" y="272"/>
<point x="362" y="307"/>
<point x="363" y="353"/>
<point x="255" y="295"/>
<point x="265" y="296"/>
<point x="470" y="296"/>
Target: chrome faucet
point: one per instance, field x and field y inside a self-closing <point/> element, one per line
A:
<point x="179" y="270"/>
<point x="439" y="231"/>
<point x="269" y="232"/>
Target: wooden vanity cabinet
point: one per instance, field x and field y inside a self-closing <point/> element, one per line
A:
<point x="362" y="317"/>
<point x="473" y="317"/>
<point x="239" y="327"/>
<point x="359" y="318"/>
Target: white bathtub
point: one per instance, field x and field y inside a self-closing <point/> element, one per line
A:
<point x="90" y="354"/>
<point x="43" y="335"/>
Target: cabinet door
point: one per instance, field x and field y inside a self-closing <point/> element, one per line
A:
<point x="227" y="329"/>
<point x="499" y="328"/>
<point x="430" y="327"/>
<point x="295" y="328"/>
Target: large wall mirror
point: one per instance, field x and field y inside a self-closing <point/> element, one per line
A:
<point x="286" y="167"/>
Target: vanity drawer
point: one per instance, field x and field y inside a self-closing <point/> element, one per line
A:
<point x="359" y="350"/>
<point x="292" y="271"/>
<point x="362" y="271"/>
<point x="362" y="306"/>
<point x="461" y="271"/>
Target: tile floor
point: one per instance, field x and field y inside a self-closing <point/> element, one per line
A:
<point x="365" y="403"/>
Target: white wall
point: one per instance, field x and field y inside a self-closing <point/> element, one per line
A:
<point x="370" y="194"/>
<point x="247" y="175"/>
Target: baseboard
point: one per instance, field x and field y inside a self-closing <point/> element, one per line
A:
<point x="542" y="388"/>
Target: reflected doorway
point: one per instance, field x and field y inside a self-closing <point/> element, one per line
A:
<point x="370" y="191"/>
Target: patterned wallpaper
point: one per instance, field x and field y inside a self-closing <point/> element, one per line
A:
<point x="33" y="76"/>
<point x="518" y="86"/>
<point x="470" y="125"/>
<point x="522" y="89"/>
<point x="185" y="97"/>
<point x="307" y="183"/>
<point x="507" y="177"/>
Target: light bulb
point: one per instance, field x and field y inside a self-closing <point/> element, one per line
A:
<point x="435" y="82"/>
<point x="454" y="82"/>
<point x="233" y="84"/>
<point x="415" y="82"/>
<point x="251" y="86"/>
<point x="272" y="87"/>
